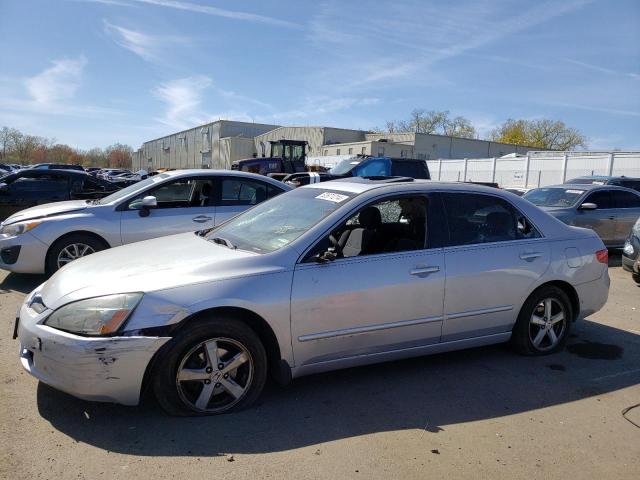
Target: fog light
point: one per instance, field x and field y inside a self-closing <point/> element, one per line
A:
<point x="628" y="249"/>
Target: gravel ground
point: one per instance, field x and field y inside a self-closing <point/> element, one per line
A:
<point x="481" y="413"/>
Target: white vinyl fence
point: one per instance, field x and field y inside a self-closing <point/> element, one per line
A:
<point x="536" y="170"/>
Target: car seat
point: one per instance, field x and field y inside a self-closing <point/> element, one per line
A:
<point x="205" y="194"/>
<point x="362" y="240"/>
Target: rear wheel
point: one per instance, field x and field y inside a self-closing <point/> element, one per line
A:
<point x="215" y="367"/>
<point x="543" y="323"/>
<point x="70" y="248"/>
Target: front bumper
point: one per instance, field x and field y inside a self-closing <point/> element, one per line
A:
<point x="30" y="257"/>
<point x="108" y="369"/>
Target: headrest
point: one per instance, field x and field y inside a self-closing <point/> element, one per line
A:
<point x="370" y="218"/>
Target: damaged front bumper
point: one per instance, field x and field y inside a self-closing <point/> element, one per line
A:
<point x="105" y="369"/>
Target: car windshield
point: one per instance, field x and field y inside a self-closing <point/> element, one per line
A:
<point x="345" y="166"/>
<point x="274" y="224"/>
<point x="114" y="197"/>
<point x="553" y="197"/>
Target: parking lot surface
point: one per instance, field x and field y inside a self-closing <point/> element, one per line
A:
<point x="480" y="413"/>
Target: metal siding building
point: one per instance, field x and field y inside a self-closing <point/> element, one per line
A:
<point x="213" y="145"/>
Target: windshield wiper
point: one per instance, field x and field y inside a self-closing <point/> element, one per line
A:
<point x="224" y="241"/>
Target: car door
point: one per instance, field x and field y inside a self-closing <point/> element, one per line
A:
<point x="235" y="194"/>
<point x="183" y="205"/>
<point x="494" y="256"/>
<point x="384" y="294"/>
<point x="627" y="212"/>
<point x="602" y="220"/>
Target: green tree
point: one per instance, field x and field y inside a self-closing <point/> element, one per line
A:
<point x="438" y="122"/>
<point x="544" y="133"/>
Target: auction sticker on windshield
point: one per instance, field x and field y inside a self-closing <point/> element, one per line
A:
<point x="332" y="197"/>
<point x="577" y="192"/>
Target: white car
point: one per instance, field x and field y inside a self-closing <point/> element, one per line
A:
<point x="45" y="238"/>
<point x="327" y="276"/>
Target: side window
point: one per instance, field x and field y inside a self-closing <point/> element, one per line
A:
<point x="26" y="184"/>
<point x="626" y="199"/>
<point x="601" y="198"/>
<point x="388" y="226"/>
<point x="185" y="192"/>
<point x="273" y="191"/>
<point x="408" y="169"/>
<point x="373" y="168"/>
<point x="477" y="218"/>
<point x="239" y="191"/>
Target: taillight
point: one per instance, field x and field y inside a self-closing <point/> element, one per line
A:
<point x="603" y="256"/>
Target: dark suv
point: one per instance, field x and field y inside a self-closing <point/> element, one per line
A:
<point x="628" y="182"/>
<point x="364" y="167"/>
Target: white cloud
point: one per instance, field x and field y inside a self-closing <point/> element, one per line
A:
<point x="183" y="100"/>
<point x="219" y="12"/>
<point x="146" y="46"/>
<point x="58" y="82"/>
<point x="598" y="68"/>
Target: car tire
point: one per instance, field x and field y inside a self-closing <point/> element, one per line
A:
<point x="186" y="380"/>
<point x="544" y="322"/>
<point x="636" y="277"/>
<point x="86" y="244"/>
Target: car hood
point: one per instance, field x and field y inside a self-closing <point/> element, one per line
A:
<point x="47" y="210"/>
<point x="152" y="265"/>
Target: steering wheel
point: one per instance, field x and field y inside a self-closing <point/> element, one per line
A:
<point x="335" y="244"/>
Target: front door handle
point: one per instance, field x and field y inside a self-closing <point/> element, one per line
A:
<point x="612" y="217"/>
<point x="202" y="219"/>
<point x="424" y="270"/>
<point x="528" y="256"/>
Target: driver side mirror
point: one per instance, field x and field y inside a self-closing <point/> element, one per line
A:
<point x="147" y="204"/>
<point x="326" y="256"/>
<point x="588" y="206"/>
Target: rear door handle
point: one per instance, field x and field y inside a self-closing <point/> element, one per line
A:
<point x="612" y="217"/>
<point x="528" y="256"/>
<point x="424" y="270"/>
<point x="202" y="219"/>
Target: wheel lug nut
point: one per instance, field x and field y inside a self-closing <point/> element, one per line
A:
<point x="217" y="385"/>
<point x="207" y="382"/>
<point x="220" y="366"/>
<point x="226" y="375"/>
<point x="209" y="370"/>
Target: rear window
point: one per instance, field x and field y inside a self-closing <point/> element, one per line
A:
<point x="413" y="169"/>
<point x="554" y="197"/>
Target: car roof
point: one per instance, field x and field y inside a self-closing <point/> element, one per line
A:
<point x="197" y="172"/>
<point x="360" y="185"/>
<point x="589" y="187"/>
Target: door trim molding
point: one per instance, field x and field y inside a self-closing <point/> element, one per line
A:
<point x="482" y="311"/>
<point x="367" y="328"/>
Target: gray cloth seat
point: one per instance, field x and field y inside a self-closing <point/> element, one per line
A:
<point x="362" y="240"/>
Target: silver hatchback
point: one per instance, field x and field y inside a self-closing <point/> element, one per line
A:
<point x="327" y="276"/>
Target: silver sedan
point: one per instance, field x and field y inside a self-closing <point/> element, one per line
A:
<point x="608" y="210"/>
<point x="47" y="237"/>
<point x="327" y="276"/>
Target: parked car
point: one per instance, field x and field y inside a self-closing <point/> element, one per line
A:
<point x="326" y="276"/>
<point x="364" y="167"/>
<point x="57" y="166"/>
<point x="30" y="187"/>
<point x="610" y="211"/>
<point x="45" y="238"/>
<point x="627" y="182"/>
<point x="631" y="252"/>
<point x="106" y="173"/>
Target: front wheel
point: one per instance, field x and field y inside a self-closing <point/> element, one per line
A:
<point x="543" y="323"/>
<point x="70" y="248"/>
<point x="213" y="367"/>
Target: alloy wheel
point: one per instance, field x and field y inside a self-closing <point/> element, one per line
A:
<point x="72" y="252"/>
<point x="547" y="325"/>
<point x="214" y="375"/>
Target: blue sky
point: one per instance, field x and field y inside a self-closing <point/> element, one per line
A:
<point x="93" y="72"/>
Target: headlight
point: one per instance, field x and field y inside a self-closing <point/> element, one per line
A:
<point x="18" y="228"/>
<point x="95" y="316"/>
